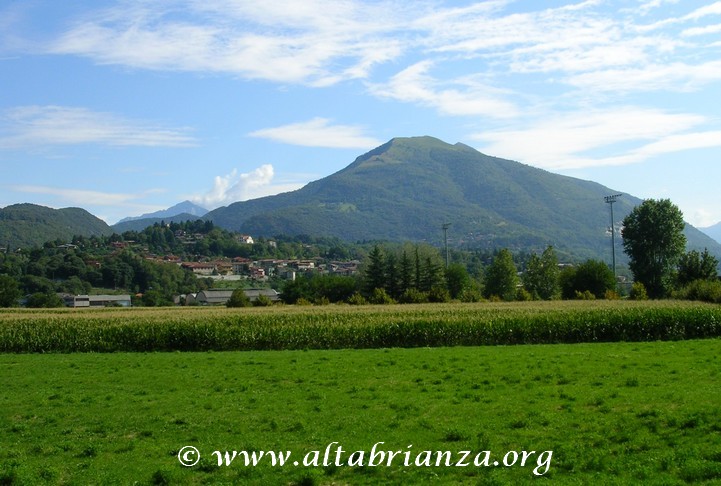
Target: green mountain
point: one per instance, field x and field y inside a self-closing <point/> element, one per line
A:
<point x="26" y="225"/>
<point x="408" y="188"/>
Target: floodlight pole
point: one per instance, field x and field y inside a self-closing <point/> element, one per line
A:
<point x="445" y="239"/>
<point x="610" y="200"/>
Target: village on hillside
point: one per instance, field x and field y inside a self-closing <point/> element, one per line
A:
<point x="253" y="275"/>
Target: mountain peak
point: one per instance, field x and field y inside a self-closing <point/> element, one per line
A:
<point x="403" y="150"/>
<point x="185" y="207"/>
<point x="407" y="188"/>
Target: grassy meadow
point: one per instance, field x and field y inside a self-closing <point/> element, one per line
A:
<point x="611" y="412"/>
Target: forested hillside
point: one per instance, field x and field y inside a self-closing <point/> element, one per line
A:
<point x="26" y="225"/>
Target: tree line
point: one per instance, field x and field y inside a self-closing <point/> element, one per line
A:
<point x="405" y="273"/>
<point x="652" y="238"/>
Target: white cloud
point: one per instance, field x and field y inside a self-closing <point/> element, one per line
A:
<point x="324" y="42"/>
<point x="712" y="9"/>
<point x="647" y="6"/>
<point x="311" y="42"/>
<point x="236" y="186"/>
<point x="702" y="218"/>
<point x="318" y="132"/>
<point x="676" y="76"/>
<point x="680" y="142"/>
<point x="550" y="29"/>
<point x="462" y="96"/>
<point x="616" y="137"/>
<point x="30" y="126"/>
<point x="480" y="61"/>
<point x="86" y="198"/>
<point x="696" y="31"/>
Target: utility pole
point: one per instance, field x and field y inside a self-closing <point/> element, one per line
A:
<point x="610" y="200"/>
<point x="445" y="239"/>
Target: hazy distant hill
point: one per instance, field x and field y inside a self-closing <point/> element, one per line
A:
<point x="186" y="207"/>
<point x="141" y="224"/>
<point x="26" y="225"/>
<point x="176" y="214"/>
<point x="713" y="231"/>
<point x="408" y="188"/>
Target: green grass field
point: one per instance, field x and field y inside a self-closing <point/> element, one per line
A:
<point x="612" y="413"/>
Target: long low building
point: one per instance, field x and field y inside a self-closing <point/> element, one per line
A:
<point x="97" y="300"/>
<point x="220" y="297"/>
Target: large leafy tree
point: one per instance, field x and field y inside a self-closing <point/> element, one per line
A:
<point x="238" y="299"/>
<point x="654" y="241"/>
<point x="592" y="275"/>
<point x="501" y="276"/>
<point x="541" y="278"/>
<point x="457" y="279"/>
<point x="9" y="291"/>
<point x="697" y="266"/>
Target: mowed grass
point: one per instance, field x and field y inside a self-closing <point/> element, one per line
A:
<point x="612" y="413"/>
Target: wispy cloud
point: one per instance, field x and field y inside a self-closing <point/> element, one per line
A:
<point x="647" y="6"/>
<point x="697" y="31"/>
<point x="86" y="198"/>
<point x="676" y="76"/>
<point x="321" y="42"/>
<point x="237" y="186"/>
<point x="318" y="132"/>
<point x="498" y="61"/>
<point x="462" y="96"/>
<point x="614" y="137"/>
<point x="316" y="42"/>
<point x="31" y="126"/>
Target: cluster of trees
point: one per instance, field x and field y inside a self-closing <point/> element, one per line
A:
<point x="417" y="274"/>
<point x="652" y="237"/>
<point x="654" y="241"/>
<point x="180" y="239"/>
<point x="42" y="273"/>
<point x="97" y="264"/>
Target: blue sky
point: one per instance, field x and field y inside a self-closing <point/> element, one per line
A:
<point x="127" y="107"/>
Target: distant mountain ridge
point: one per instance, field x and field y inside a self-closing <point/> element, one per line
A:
<point x="26" y="225"/>
<point x="185" y="207"/>
<point x="141" y="224"/>
<point x="179" y="213"/>
<point x="407" y="188"/>
<point x="713" y="231"/>
<point x="404" y="190"/>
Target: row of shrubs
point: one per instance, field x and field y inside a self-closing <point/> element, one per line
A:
<point x="346" y="328"/>
<point x="441" y="295"/>
<point x="700" y="290"/>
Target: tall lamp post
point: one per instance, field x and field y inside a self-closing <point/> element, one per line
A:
<point x="610" y="200"/>
<point x="445" y="239"/>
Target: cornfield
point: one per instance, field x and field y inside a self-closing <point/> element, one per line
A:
<point x="334" y="327"/>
